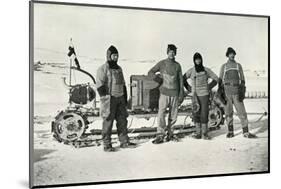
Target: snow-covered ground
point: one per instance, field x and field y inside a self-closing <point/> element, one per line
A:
<point x="56" y="163"/>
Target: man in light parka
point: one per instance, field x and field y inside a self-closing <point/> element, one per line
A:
<point x="113" y="101"/>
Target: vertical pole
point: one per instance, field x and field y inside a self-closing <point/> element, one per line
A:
<point x="70" y="65"/>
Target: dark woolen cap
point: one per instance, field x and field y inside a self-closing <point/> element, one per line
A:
<point x="172" y="47"/>
<point x="111" y="50"/>
<point x="229" y="51"/>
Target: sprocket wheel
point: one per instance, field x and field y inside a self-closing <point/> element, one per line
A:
<point x="215" y="117"/>
<point x="68" y="126"/>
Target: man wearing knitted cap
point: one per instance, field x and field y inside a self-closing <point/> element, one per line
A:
<point x="113" y="100"/>
<point x="171" y="93"/>
<point x="233" y="81"/>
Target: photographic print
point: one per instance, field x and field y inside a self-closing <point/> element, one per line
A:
<point x="122" y="94"/>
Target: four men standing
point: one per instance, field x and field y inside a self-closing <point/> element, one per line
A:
<point x="168" y="73"/>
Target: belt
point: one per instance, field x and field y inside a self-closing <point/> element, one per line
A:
<point x="231" y="84"/>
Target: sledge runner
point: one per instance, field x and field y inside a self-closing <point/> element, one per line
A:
<point x="171" y="93"/>
<point x="113" y="101"/>
<point x="233" y="81"/>
<point x="200" y="89"/>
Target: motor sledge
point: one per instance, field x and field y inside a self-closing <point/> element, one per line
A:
<point x="70" y="125"/>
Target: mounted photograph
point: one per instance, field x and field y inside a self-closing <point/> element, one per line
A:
<point x="124" y="94"/>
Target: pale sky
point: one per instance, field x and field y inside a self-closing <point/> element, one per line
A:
<point x="144" y="35"/>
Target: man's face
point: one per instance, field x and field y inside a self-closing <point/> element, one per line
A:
<point x="171" y="54"/>
<point x="231" y="56"/>
<point x="114" y="57"/>
<point x="198" y="61"/>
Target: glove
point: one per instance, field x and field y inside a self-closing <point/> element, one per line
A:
<point x="102" y="90"/>
<point x="221" y="94"/>
<point x="241" y="92"/>
<point x="158" y="79"/>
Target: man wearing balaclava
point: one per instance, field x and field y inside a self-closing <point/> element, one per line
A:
<point x="200" y="89"/>
<point x="233" y="81"/>
<point x="113" y="100"/>
<point x="169" y="75"/>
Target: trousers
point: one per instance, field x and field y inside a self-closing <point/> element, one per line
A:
<point x="118" y="112"/>
<point x="165" y="102"/>
<point x="240" y="109"/>
<point x="202" y="115"/>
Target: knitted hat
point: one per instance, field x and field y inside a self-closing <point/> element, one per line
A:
<point x="172" y="47"/>
<point x="229" y="51"/>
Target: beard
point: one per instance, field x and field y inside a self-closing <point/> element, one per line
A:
<point x="113" y="64"/>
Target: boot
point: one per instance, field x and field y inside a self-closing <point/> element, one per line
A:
<point x="174" y="138"/>
<point x="128" y="145"/>
<point x="197" y="134"/>
<point x="247" y="134"/>
<point x="205" y="135"/>
<point x="108" y="148"/>
<point x="158" y="140"/>
<point x="170" y="136"/>
<point x="230" y="133"/>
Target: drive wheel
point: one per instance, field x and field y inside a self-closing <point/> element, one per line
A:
<point x="68" y="127"/>
<point x="215" y="117"/>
